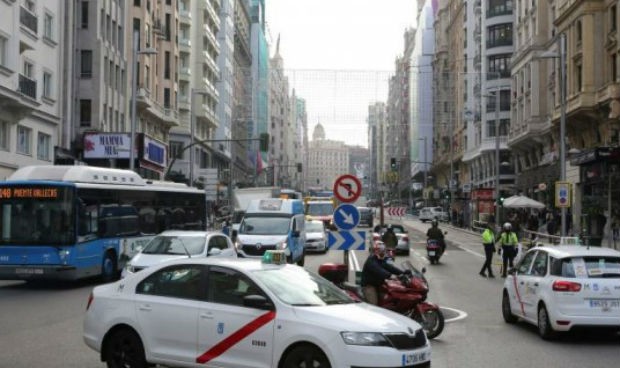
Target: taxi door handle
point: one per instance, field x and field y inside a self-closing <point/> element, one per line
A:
<point x="145" y="307"/>
<point x="208" y="315"/>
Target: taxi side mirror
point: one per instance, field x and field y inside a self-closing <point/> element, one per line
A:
<point x="214" y="252"/>
<point x="257" y="302"/>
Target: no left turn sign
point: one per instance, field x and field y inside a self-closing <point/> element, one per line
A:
<point x="347" y="188"/>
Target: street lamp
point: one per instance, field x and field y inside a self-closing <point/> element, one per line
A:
<point x="136" y="52"/>
<point x="562" y="57"/>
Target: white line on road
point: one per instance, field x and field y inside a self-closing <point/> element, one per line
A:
<point x="353" y="263"/>
<point x="460" y="314"/>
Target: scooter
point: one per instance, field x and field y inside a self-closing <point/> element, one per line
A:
<point x="406" y="295"/>
<point x="433" y="250"/>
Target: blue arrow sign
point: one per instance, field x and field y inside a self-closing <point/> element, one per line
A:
<point x="346" y="216"/>
<point x="346" y="240"/>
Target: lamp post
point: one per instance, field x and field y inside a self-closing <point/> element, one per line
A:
<point x="134" y="91"/>
<point x="425" y="165"/>
<point x="562" y="57"/>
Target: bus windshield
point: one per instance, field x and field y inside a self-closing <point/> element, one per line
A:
<point x="36" y="215"/>
<point x="320" y="209"/>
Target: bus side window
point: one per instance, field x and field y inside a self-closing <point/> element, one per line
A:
<point x="88" y="221"/>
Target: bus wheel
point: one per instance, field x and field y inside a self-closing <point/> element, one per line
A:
<point x="108" y="267"/>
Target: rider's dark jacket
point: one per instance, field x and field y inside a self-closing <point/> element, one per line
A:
<point x="375" y="271"/>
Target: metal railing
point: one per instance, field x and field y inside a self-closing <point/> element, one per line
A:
<point x="27" y="19"/>
<point x="27" y="86"/>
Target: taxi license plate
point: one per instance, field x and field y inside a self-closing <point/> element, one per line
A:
<point x="414" y="358"/>
<point x="29" y="271"/>
<point x="605" y="304"/>
<point x="431" y="253"/>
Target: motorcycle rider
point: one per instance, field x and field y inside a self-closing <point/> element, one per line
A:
<point x="376" y="270"/>
<point x="389" y="238"/>
<point x="508" y="241"/>
<point x="435" y="233"/>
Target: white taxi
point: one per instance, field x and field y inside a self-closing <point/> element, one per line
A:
<point x="244" y="313"/>
<point x="558" y="288"/>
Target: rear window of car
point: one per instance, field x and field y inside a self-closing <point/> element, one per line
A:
<point x="590" y="267"/>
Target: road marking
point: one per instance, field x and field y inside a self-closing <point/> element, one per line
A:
<point x="353" y="263"/>
<point x="460" y="314"/>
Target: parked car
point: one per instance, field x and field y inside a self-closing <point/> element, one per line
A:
<point x="175" y="244"/>
<point x="316" y="236"/>
<point x="559" y="288"/>
<point x="366" y="216"/>
<point x="403" y="237"/>
<point x="430" y="213"/>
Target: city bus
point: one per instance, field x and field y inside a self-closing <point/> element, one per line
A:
<point x="73" y="222"/>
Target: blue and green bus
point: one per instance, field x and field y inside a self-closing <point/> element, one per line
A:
<point x="74" y="222"/>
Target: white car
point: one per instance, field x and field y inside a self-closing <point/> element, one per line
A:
<point x="431" y="213"/>
<point x="316" y="236"/>
<point x="243" y="313"/>
<point x="175" y="244"/>
<point x="558" y="288"/>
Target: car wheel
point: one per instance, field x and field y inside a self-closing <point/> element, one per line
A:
<point x="108" y="267"/>
<point x="506" y="311"/>
<point x="306" y="356"/>
<point x="545" y="330"/>
<point x="124" y="349"/>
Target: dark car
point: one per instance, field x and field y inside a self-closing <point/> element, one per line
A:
<point x="366" y="216"/>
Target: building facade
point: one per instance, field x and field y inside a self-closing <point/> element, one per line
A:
<point x="376" y="142"/>
<point x="327" y="160"/>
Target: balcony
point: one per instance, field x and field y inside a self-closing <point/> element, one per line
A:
<point x="28" y="20"/>
<point x="185" y="45"/>
<point x="185" y="16"/>
<point x="499" y="43"/>
<point x="27" y="87"/>
<point x="185" y="74"/>
<point x="498" y="11"/>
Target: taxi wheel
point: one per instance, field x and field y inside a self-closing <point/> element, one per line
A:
<point x="305" y="356"/>
<point x="545" y="330"/>
<point x="506" y="311"/>
<point x="124" y="350"/>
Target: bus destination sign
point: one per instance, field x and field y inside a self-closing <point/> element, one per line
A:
<point x="28" y="192"/>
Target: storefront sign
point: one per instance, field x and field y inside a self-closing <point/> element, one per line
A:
<point x="154" y="151"/>
<point x="106" y="145"/>
<point x="483" y="193"/>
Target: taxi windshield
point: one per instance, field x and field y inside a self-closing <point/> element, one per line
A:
<point x="299" y="287"/>
<point x="177" y="245"/>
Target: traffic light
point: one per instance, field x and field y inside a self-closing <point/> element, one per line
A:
<point x="299" y="167"/>
<point x="393" y="163"/>
<point x="264" y="142"/>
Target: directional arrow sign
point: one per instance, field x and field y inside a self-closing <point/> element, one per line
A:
<point x="346" y="216"/>
<point x="346" y="240"/>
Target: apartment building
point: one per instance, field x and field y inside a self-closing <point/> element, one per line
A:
<point x="152" y="54"/>
<point x="31" y="75"/>
<point x="298" y="148"/>
<point x="192" y="141"/>
<point x="376" y="142"/>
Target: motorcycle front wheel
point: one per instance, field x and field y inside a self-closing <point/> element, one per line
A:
<point x="432" y="321"/>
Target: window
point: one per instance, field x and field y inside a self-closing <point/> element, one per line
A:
<point x="167" y="65"/>
<point x="539" y="268"/>
<point x="578" y="79"/>
<point x="524" y="266"/>
<point x="217" y="242"/>
<point x="226" y="286"/>
<point x="176" y="149"/>
<point x="84" y="14"/>
<point x="499" y="35"/>
<point x="43" y="146"/>
<point x="499" y="64"/>
<point x="614" y="67"/>
<point x="578" y="34"/>
<point x="613" y="18"/>
<point x="136" y="3"/>
<point x="28" y="69"/>
<point x="167" y="98"/>
<point x="47" y="84"/>
<point x="180" y="281"/>
<point x="24" y="145"/>
<point x="48" y="24"/>
<point x="4" y="135"/>
<point x="85" y="113"/>
<point x="4" y="42"/>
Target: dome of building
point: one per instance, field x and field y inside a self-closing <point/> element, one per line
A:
<point x="319" y="133"/>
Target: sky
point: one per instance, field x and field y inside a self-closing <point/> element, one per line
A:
<point x="339" y="55"/>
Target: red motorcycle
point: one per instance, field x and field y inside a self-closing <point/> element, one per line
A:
<point x="406" y="295"/>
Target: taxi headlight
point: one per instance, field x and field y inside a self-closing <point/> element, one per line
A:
<point x="364" y="338"/>
<point x="281" y="245"/>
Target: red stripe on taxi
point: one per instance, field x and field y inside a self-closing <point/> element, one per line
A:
<point x="237" y="336"/>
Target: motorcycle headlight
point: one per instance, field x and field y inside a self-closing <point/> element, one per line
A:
<point x="364" y="338"/>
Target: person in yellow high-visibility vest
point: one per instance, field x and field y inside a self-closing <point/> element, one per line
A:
<point x="488" y="241"/>
<point x="508" y="241"/>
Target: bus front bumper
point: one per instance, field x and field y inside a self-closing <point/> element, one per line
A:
<point x="38" y="272"/>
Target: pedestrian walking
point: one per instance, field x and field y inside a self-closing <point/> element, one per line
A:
<point x="488" y="241"/>
<point x="508" y="242"/>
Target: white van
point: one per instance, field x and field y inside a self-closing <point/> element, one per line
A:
<point x="273" y="224"/>
<point x="431" y="213"/>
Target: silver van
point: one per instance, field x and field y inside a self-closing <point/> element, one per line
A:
<point x="430" y="213"/>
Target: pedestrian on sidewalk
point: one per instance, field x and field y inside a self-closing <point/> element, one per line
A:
<point x="508" y="242"/>
<point x="488" y="241"/>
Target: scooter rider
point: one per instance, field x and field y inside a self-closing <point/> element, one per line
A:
<point x="376" y="270"/>
<point x="435" y="233"/>
<point x="389" y="238"/>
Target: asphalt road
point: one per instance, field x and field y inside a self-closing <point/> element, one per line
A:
<point x="41" y="326"/>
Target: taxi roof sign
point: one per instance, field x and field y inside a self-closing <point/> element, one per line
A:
<point x="277" y="257"/>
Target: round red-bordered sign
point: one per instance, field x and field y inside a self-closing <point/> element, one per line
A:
<point x="347" y="188"/>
